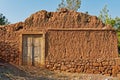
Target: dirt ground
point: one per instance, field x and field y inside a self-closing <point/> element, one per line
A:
<point x="12" y="72"/>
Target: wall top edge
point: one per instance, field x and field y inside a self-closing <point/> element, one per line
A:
<point x="80" y="29"/>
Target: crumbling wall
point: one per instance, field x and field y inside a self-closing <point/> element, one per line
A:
<point x="63" y="19"/>
<point x="9" y="45"/>
<point x="79" y="49"/>
<point x="9" y="53"/>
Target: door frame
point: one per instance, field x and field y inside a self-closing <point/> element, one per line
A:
<point x="42" y="64"/>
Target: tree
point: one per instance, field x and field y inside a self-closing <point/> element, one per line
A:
<point x="3" y="20"/>
<point x="70" y="4"/>
<point x="106" y="18"/>
<point x="117" y="23"/>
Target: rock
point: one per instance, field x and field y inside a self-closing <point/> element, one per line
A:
<point x="114" y="71"/>
<point x="63" y="68"/>
<point x="1" y="64"/>
<point x="63" y="10"/>
<point x="96" y="64"/>
<point x="105" y="63"/>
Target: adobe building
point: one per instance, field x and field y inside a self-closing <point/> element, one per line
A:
<point x="65" y="41"/>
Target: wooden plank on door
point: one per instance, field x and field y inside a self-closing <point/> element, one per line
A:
<point x="37" y="50"/>
<point x="29" y="49"/>
<point x="24" y="59"/>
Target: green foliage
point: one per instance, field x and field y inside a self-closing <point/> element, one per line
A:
<point x="3" y="20"/>
<point x="104" y="15"/>
<point x="106" y="18"/>
<point x="117" y="23"/>
<point x="70" y="4"/>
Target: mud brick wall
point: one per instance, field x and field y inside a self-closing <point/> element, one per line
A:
<point x="9" y="46"/>
<point x="81" y="44"/>
<point x="9" y="53"/>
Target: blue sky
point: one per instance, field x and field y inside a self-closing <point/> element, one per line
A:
<point x="19" y="10"/>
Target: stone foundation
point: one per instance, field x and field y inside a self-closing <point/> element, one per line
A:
<point x="109" y="67"/>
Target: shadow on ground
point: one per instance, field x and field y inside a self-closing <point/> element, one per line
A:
<point x="11" y="72"/>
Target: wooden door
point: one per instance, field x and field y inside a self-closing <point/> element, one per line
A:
<point x="32" y="50"/>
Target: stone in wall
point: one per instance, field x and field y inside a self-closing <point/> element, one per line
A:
<point x="92" y="66"/>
